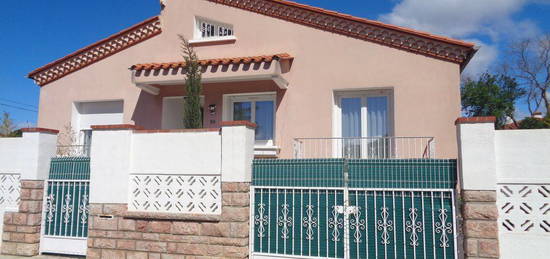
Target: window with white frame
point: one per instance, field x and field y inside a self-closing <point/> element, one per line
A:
<point x="208" y="29"/>
<point x="363" y="122"/>
<point x="257" y="108"/>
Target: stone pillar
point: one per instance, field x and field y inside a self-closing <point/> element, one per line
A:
<point x="22" y="229"/>
<point x="30" y="157"/>
<point x="477" y="163"/>
<point x="480" y="229"/>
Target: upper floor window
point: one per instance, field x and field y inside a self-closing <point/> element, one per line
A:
<point x="207" y="29"/>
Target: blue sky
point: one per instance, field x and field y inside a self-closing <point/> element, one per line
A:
<point x="33" y="32"/>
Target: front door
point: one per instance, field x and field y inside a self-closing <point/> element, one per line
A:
<point x="65" y="217"/>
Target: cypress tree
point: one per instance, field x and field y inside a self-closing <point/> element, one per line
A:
<point x="192" y="104"/>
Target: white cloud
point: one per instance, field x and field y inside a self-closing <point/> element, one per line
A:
<point x="459" y="18"/>
<point x="483" y="59"/>
<point x="467" y="19"/>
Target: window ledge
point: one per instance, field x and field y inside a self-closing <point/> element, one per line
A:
<point x="171" y="216"/>
<point x="213" y="41"/>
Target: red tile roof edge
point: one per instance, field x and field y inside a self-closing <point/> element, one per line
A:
<point x="91" y="46"/>
<point x="116" y="127"/>
<point x="261" y="7"/>
<point x="216" y="61"/>
<point x="375" y="23"/>
<point x="238" y="123"/>
<point x="485" y="119"/>
<point x="177" y="130"/>
<point x="41" y="130"/>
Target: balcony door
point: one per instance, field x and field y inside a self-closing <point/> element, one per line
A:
<point x="364" y="124"/>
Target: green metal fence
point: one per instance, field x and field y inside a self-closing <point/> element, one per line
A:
<point x="336" y="208"/>
<point x="67" y="198"/>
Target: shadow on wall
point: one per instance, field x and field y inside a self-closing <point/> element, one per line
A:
<point x="148" y="111"/>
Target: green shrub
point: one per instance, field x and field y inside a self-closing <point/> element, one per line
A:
<point x="534" y="123"/>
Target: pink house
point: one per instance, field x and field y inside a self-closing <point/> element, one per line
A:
<point x="296" y="71"/>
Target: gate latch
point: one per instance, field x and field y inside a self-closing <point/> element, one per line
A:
<point x="348" y="210"/>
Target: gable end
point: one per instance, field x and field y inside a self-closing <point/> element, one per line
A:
<point x="390" y="35"/>
<point x="96" y="52"/>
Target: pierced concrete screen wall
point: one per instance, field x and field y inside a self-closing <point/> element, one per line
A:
<point x="524" y="208"/>
<point x="191" y="194"/>
<point x="9" y="190"/>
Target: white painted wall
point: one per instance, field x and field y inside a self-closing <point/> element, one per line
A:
<point x="523" y="175"/>
<point x="110" y="166"/>
<point x="29" y="155"/>
<point x="24" y="158"/>
<point x="515" y="163"/>
<point x="476" y="152"/>
<point x="176" y="153"/>
<point x="237" y="153"/>
<point x="117" y="154"/>
<point x="86" y="114"/>
<point x="523" y="156"/>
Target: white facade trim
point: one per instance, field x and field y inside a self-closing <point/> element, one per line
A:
<point x="227" y="115"/>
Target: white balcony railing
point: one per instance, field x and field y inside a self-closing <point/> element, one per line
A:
<point x="73" y="151"/>
<point x="365" y="148"/>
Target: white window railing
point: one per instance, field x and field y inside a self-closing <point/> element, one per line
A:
<point x="73" y="151"/>
<point x="365" y="147"/>
<point x="207" y="29"/>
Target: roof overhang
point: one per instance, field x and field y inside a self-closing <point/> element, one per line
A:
<point x="96" y="52"/>
<point x="150" y="77"/>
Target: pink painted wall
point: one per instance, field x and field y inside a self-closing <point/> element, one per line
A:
<point x="213" y="94"/>
<point x="426" y="90"/>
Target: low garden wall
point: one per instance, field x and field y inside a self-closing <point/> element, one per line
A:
<point x="24" y="165"/>
<point x="170" y="192"/>
<point x="505" y="190"/>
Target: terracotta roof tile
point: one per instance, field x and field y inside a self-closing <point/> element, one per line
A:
<point x="96" y="51"/>
<point x="216" y="61"/>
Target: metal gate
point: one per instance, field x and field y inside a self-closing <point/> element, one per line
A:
<point x="353" y="208"/>
<point x="65" y="217"/>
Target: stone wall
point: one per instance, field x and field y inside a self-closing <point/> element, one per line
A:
<point x="480" y="227"/>
<point x="22" y="229"/>
<point x="148" y="236"/>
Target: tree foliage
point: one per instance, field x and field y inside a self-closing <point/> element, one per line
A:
<point x="491" y="95"/>
<point x="534" y="123"/>
<point x="7" y="127"/>
<point x="192" y="106"/>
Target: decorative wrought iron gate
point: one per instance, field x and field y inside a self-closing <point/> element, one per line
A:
<point x="65" y="217"/>
<point x="356" y="208"/>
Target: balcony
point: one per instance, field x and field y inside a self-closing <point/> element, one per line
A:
<point x="365" y="148"/>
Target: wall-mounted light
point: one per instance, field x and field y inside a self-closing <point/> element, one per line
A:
<point x="212" y="109"/>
